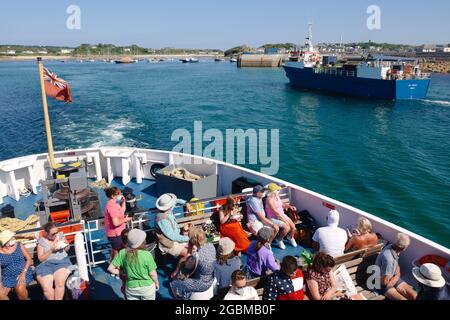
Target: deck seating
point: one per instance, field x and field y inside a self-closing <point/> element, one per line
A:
<point x="357" y="263"/>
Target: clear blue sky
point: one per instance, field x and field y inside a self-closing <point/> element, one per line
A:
<point x="221" y="24"/>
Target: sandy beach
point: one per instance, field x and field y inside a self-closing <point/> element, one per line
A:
<point x="147" y="56"/>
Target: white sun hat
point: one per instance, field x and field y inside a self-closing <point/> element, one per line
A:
<point x="166" y="202"/>
<point x="430" y="275"/>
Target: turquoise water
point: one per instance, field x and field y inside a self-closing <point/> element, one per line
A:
<point x="391" y="159"/>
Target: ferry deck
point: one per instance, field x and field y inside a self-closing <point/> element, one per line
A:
<point x="115" y="163"/>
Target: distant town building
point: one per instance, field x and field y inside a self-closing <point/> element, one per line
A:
<point x="66" y="51"/>
<point x="429" y="48"/>
<point x="447" y="49"/>
<point x="10" y="52"/>
<point x="28" y="52"/>
<point x="42" y="52"/>
<point x="271" y="51"/>
<point x="127" y="50"/>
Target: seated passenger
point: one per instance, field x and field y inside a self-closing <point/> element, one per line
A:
<point x="170" y="239"/>
<point x="320" y="278"/>
<point x="55" y="263"/>
<point x="260" y="259"/>
<point x="15" y="262"/>
<point x="275" y="212"/>
<point x="230" y="225"/>
<point x="139" y="267"/>
<point x="239" y="289"/>
<point x="432" y="285"/>
<point x="227" y="262"/>
<point x="392" y="285"/>
<point x="203" y="276"/>
<point x="362" y="237"/>
<point x="257" y="216"/>
<point x="286" y="284"/>
<point x="331" y="239"/>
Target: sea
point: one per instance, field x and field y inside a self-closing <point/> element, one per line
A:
<point x="389" y="158"/>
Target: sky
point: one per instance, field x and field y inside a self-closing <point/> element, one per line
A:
<point x="221" y="24"/>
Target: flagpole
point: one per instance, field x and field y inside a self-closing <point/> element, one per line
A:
<point x="46" y="116"/>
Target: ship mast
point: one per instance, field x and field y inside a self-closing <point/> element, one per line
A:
<point x="309" y="43"/>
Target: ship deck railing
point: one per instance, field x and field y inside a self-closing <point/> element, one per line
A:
<point x="421" y="76"/>
<point x="144" y="220"/>
<point x="335" y="72"/>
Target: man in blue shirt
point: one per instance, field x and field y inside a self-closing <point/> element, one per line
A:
<point x="392" y="285"/>
<point x="256" y="215"/>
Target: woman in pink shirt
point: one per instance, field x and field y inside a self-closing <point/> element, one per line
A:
<point x="275" y="212"/>
<point x="115" y="219"/>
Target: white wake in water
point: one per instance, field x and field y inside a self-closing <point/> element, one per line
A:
<point x="439" y="102"/>
<point x="114" y="133"/>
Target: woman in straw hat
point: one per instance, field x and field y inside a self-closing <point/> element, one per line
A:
<point x="170" y="238"/>
<point x="15" y="262"/>
<point x="432" y="285"/>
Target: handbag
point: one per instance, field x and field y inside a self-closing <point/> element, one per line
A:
<point x="293" y="215"/>
<point x="164" y="241"/>
<point x="188" y="268"/>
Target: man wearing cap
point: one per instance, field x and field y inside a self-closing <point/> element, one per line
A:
<point x="256" y="214"/>
<point x="432" y="285"/>
<point x="170" y="239"/>
<point x="331" y="239"/>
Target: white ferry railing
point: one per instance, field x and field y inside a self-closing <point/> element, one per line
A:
<point x="89" y="227"/>
<point x="148" y="216"/>
<point x="31" y="244"/>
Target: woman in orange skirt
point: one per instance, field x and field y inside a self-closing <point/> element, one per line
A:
<point x="230" y="225"/>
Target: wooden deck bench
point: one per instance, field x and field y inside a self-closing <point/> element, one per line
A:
<point x="357" y="263"/>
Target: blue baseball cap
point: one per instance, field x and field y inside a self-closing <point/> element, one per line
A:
<point x="258" y="188"/>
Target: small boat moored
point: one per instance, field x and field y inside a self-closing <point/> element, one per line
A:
<point x="189" y="60"/>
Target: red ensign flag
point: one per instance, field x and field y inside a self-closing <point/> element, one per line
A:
<point x="56" y="87"/>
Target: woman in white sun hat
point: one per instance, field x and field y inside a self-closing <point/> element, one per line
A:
<point x="432" y="285"/>
<point x="170" y="238"/>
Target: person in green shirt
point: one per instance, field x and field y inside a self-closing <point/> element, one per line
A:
<point x="139" y="266"/>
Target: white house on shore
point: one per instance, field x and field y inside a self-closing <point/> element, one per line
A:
<point x="447" y="49"/>
<point x="429" y="48"/>
<point x="66" y="51"/>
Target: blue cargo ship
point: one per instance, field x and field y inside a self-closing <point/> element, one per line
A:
<point x="379" y="77"/>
